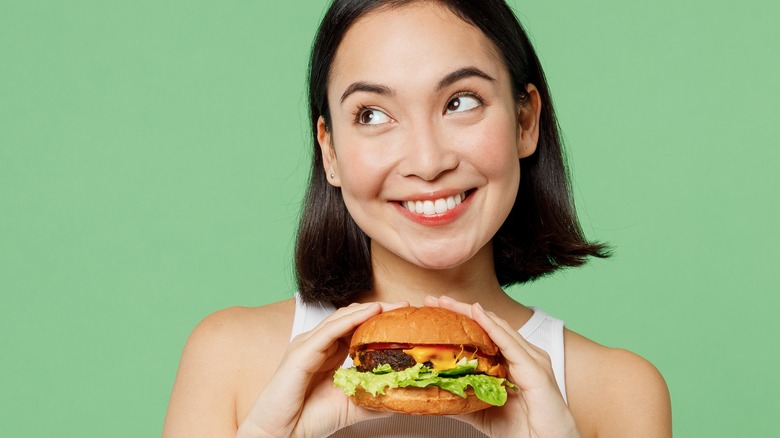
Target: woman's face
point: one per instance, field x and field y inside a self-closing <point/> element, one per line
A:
<point x="425" y="134"/>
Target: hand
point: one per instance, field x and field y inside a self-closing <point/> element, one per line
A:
<point x="537" y="409"/>
<point x="300" y="399"/>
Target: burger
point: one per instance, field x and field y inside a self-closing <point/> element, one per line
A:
<point x="423" y="361"/>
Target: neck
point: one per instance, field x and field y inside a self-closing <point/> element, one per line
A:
<point x="475" y="281"/>
<point x="396" y="279"/>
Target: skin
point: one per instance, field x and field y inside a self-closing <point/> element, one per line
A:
<point x="422" y="137"/>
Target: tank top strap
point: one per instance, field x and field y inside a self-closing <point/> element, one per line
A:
<point x="546" y="332"/>
<point x="308" y="315"/>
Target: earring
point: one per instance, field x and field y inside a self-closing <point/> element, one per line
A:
<point x="332" y="176"/>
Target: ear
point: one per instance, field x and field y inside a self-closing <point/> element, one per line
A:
<point x="329" y="162"/>
<point x="528" y="118"/>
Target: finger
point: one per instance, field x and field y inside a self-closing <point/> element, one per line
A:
<point x="529" y="365"/>
<point x="338" y="325"/>
<point x="448" y="303"/>
<point x="358" y="307"/>
<point x="308" y="361"/>
<point x="532" y="349"/>
<point x="506" y="337"/>
<point x="499" y="331"/>
<point x="329" y="403"/>
<point x="320" y="349"/>
<point x="392" y="306"/>
<point x="469" y="310"/>
<point x="431" y="301"/>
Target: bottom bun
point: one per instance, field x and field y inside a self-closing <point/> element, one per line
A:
<point x="430" y="400"/>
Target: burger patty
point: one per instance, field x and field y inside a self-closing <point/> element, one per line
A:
<point x="397" y="359"/>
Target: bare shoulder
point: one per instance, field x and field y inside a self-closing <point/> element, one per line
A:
<point x="236" y="325"/>
<point x="229" y="337"/>
<point x="227" y="353"/>
<point x="614" y="392"/>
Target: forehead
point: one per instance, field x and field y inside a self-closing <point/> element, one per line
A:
<point x="420" y="40"/>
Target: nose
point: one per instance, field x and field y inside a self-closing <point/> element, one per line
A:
<point x="427" y="154"/>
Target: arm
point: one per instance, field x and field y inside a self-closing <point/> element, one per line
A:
<point x="635" y="401"/>
<point x="203" y="401"/>
<point x="240" y="353"/>
<point x="305" y="402"/>
<point x="611" y="392"/>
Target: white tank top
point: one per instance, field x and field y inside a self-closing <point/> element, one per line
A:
<point x="542" y="330"/>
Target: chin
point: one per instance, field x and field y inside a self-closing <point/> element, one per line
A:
<point x="444" y="259"/>
<point x="435" y="255"/>
<point x="437" y="263"/>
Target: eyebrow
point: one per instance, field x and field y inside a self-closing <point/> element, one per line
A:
<point x="466" y="72"/>
<point x="368" y="88"/>
<point x="448" y="80"/>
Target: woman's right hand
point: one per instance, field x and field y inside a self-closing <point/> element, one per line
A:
<point x="537" y="409"/>
<point x="300" y="399"/>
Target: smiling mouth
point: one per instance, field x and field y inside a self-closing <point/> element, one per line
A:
<point x="433" y="207"/>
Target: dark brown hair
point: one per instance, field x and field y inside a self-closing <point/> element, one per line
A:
<point x="541" y="233"/>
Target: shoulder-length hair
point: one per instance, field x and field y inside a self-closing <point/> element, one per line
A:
<point x="541" y="233"/>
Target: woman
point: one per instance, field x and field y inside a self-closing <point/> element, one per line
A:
<point x="437" y="171"/>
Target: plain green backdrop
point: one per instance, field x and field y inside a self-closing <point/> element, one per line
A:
<point x="153" y="156"/>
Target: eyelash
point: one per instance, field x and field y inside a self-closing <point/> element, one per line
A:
<point x="356" y="114"/>
<point x="473" y="94"/>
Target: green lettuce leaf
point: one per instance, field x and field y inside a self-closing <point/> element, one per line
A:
<point x="489" y="389"/>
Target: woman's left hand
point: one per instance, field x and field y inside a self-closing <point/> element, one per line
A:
<point x="537" y="409"/>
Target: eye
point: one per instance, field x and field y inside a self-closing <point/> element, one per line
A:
<point x="370" y="116"/>
<point x="463" y="103"/>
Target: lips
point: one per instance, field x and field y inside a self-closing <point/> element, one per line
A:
<point x="431" y="207"/>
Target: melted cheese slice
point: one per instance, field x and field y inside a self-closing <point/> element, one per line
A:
<point x="442" y="358"/>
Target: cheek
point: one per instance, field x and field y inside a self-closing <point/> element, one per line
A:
<point x="361" y="168"/>
<point x="493" y="149"/>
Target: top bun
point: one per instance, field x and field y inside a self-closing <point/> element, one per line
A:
<point x="422" y="325"/>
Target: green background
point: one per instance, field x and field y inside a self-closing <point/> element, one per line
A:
<point x="152" y="159"/>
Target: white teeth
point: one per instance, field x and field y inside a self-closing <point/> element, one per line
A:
<point x="440" y="206"/>
<point x="437" y="206"/>
<point x="451" y="202"/>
